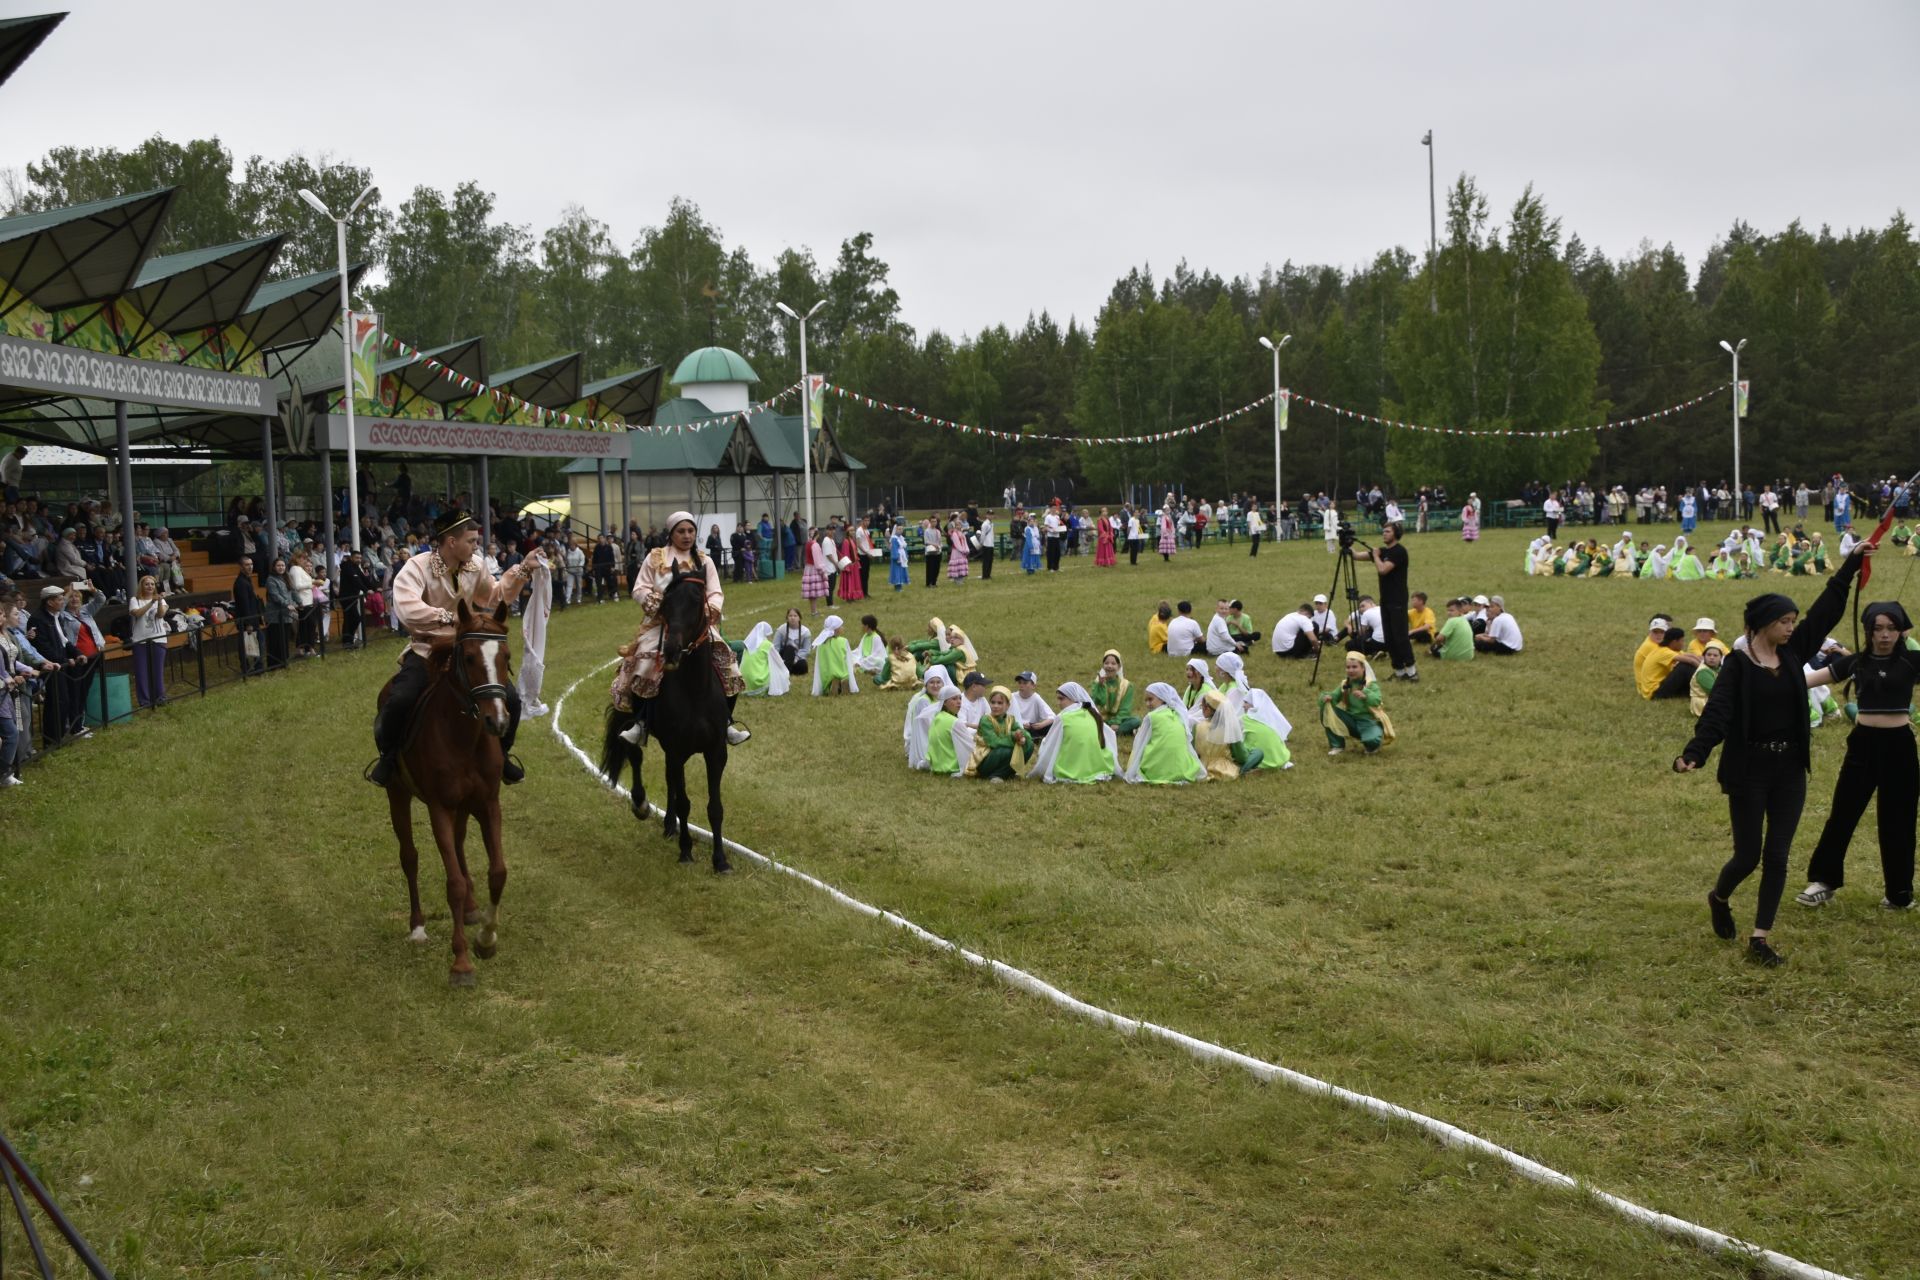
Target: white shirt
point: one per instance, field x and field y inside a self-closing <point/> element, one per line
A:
<point x="1769" y="501"/>
<point x="1322" y="622"/>
<point x="1505" y="630"/>
<point x="1287" y="631"/>
<point x="1183" y="633"/>
<point x="984" y="537"/>
<point x="972" y="710"/>
<point x="1219" y="639"/>
<point x="1369" y="620"/>
<point x="1052" y="524"/>
<point x="1552" y="509"/>
<point x="1031" y="709"/>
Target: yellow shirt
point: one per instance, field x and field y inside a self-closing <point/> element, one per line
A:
<point x="1655" y="669"/>
<point x="1698" y="647"/>
<point x="1157" y="634"/>
<point x="1647" y="646"/>
<point x="1422" y="620"/>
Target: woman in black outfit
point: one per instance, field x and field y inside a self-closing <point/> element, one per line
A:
<point x="1758" y="713"/>
<point x="1880" y="757"/>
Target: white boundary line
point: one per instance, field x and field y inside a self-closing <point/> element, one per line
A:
<point x="1449" y="1135"/>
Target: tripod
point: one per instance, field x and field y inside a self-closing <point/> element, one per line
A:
<point x="1343" y="579"/>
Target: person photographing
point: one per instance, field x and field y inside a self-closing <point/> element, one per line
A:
<point x="1391" y="560"/>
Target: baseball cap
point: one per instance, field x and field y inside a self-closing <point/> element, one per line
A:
<point x="1482" y="600"/>
<point x="1320" y="599"/>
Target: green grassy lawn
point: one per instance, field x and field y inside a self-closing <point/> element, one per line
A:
<point x="218" y="1048"/>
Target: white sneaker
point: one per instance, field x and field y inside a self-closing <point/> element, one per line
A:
<point x="737" y="734"/>
<point x="8" y="780"/>
<point x="1337" y="751"/>
<point x="1886" y="903"/>
<point x="1815" y="895"/>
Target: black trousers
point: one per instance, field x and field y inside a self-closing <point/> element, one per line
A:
<point x="1133" y="550"/>
<point x="603" y="584"/>
<point x="1882" y="760"/>
<point x="933" y="571"/>
<point x="984" y="558"/>
<point x="277" y="633"/>
<point x="1302" y="647"/>
<point x="391" y="724"/>
<point x="73" y="698"/>
<point x="1770" y="519"/>
<point x="1393" y="620"/>
<point x="1053" y="555"/>
<point x="1367" y="645"/>
<point x="1256" y="546"/>
<point x="1553" y="528"/>
<point x="53" y="710"/>
<point x="1765" y="809"/>
<point x="1678" y="682"/>
<point x="790" y="654"/>
<point x="352" y="623"/>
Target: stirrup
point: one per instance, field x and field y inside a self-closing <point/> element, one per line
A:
<point x="380" y="772"/>
<point x="737" y="734"/>
<point x="511" y="770"/>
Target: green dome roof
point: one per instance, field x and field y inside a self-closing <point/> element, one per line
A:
<point x="714" y="364"/>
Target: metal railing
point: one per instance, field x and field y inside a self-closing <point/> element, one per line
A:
<point x="22" y="1185"/>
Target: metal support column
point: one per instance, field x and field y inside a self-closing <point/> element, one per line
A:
<point x="482" y="499"/>
<point x="124" y="488"/>
<point x="270" y="488"/>
<point x="326" y="524"/>
<point x="600" y="485"/>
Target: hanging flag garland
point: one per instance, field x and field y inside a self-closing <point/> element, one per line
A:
<point x="963" y="428"/>
<point x="549" y="417"/>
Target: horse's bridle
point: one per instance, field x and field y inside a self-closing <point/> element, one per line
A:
<point x="706" y="630"/>
<point x="471" y="694"/>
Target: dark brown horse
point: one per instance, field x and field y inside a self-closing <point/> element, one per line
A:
<point x="688" y="717"/>
<point x="451" y="764"/>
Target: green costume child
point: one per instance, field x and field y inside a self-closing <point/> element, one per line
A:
<point x="1354" y="711"/>
<point x="1113" y="693"/>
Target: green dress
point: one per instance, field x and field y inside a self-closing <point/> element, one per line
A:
<point x="1262" y="737"/>
<point x="756" y="668"/>
<point x="999" y="736"/>
<point x="1354" y="708"/>
<point x="942" y="760"/>
<point x="832" y="660"/>
<point x="1116" y="702"/>
<point x="1168" y="757"/>
<point x="1083" y="755"/>
<point x="1687" y="568"/>
<point x="951" y="659"/>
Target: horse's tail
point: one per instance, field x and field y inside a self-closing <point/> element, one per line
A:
<point x="615" y="752"/>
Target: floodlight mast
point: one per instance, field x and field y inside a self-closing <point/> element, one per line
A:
<point x="1279" y="495"/>
<point x="806" y="401"/>
<point x="346" y="359"/>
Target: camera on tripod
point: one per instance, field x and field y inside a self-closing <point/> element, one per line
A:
<point x="1347" y="539"/>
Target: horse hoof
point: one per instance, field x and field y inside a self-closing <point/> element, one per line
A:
<point x="723" y="868"/>
<point x="462" y="978"/>
<point x="485" y="950"/>
<point x="686" y="857"/>
<point x="418" y="935"/>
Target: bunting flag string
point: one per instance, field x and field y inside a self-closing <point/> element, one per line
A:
<point x="907" y="411"/>
<point x="549" y="417"/>
<point x="1512" y="433"/>
<point x="963" y="428"/>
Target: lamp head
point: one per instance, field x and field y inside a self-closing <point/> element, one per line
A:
<point x="1285" y="338"/>
<point x="325" y="212"/>
<point x="815" y="307"/>
<point x="791" y="314"/>
<point x="1741" y="346"/>
<point x="1267" y="343"/>
<point x="359" y="200"/>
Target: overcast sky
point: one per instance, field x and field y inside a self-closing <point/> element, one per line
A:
<point x="1016" y="157"/>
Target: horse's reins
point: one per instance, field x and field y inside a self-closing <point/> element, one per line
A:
<point x="706" y="632"/>
<point x="471" y="694"/>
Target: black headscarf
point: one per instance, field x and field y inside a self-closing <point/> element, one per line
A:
<point x="1886" y="608"/>
<point x="1768" y="608"/>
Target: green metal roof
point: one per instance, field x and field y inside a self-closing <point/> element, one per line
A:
<point x="714" y="364"/>
<point x="774" y="439"/>
<point x="551" y="384"/>
<point x="201" y="287"/>
<point x="83" y="253"/>
<point x="634" y="396"/>
<point x="19" y="37"/>
<point x="418" y="382"/>
<point x="288" y="316"/>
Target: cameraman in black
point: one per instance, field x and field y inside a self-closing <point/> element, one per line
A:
<point x="1391" y="560"/>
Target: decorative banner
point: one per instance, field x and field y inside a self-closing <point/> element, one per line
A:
<point x="511" y="409"/>
<point x="72" y="371"/>
<point x="365" y="327"/>
<point x="1740" y="398"/>
<point x="1285" y="397"/>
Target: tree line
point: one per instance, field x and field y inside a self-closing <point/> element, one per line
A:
<point x="1512" y="323"/>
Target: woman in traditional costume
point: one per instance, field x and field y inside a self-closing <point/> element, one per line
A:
<point x="1686" y="565"/>
<point x="1659" y="562"/>
<point x="1079" y="747"/>
<point x="945" y="732"/>
<point x="958" y="536"/>
<point x="870" y="655"/>
<point x="1198" y="682"/>
<point x="1030" y="547"/>
<point x="900" y="670"/>
<point x="1169" y="534"/>
<point x="850" y="561"/>
<point x="931" y="643"/>
<point x="1253" y="703"/>
<point x="1469" y="521"/>
<point x="814" y="584"/>
<point x="833" y="660"/>
<point x="920" y="709"/>
<point x="1801" y="563"/>
<point x="1537" y="553"/>
<point x="1819" y="553"/>
<point x="1220" y="740"/>
<point x="1000" y="743"/>
<point x="1163" y="751"/>
<point x="761" y="667"/>
<point x="1700" y="687"/>
<point x="1103" y="555"/>
<point x="1113" y="694"/>
<point x="1355" y="712"/>
<point x="897" y="557"/>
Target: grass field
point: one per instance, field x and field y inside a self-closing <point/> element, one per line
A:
<point x="218" y="1048"/>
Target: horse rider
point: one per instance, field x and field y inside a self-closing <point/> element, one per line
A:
<point x="426" y="592"/>
<point x="637" y="680"/>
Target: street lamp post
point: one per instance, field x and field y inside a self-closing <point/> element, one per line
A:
<point x="806" y="400"/>
<point x="346" y="358"/>
<point x="1734" y="350"/>
<point x="1433" y="229"/>
<point x="1279" y="494"/>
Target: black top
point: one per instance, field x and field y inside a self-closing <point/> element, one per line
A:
<point x="1743" y="708"/>
<point x="1882" y="686"/>
<point x="1393" y="586"/>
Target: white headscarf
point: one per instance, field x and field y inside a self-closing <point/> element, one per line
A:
<point x="761" y="633"/>
<point x="1223" y="720"/>
<point x="829" y="628"/>
<point x="679" y="516"/>
<point x="966" y="645"/>
<point x="1049" y="751"/>
<point x="1170" y="697"/>
<point x="1200" y="665"/>
<point x="1233" y="667"/>
<point x="913" y="732"/>
<point x="1249" y="700"/>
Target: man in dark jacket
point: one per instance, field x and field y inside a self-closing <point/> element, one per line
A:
<point x="48" y="633"/>
<point x="355" y="583"/>
<point x="246" y="616"/>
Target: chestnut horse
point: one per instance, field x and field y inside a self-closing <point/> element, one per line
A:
<point x="451" y="763"/>
<point x="688" y="717"/>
